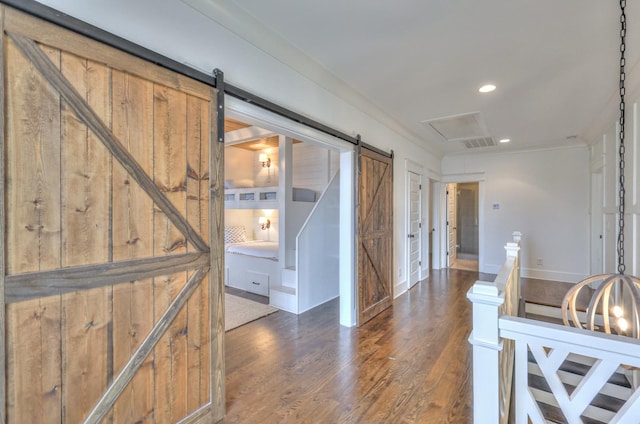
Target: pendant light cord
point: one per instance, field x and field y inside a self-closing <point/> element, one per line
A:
<point x="623" y="34"/>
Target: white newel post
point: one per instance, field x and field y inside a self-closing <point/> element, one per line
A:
<point x="485" y="338"/>
<point x="513" y="251"/>
<point x="486" y="343"/>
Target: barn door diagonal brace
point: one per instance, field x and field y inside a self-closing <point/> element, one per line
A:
<point x="375" y="264"/>
<point x="34" y="285"/>
<point x="128" y="372"/>
<point x="377" y="192"/>
<point x="60" y="83"/>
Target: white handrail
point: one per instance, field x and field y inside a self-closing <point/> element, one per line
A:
<point x="626" y="350"/>
<point x="318" y="202"/>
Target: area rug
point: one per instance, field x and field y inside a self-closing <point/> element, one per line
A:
<point x="239" y="311"/>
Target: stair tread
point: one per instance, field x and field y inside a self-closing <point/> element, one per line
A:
<point x="284" y="289"/>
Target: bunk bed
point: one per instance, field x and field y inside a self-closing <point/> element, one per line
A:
<point x="262" y="197"/>
<point x="254" y="265"/>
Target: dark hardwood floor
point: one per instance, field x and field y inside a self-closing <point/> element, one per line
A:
<point x="410" y="364"/>
<point x="551" y="293"/>
<point x="247" y="295"/>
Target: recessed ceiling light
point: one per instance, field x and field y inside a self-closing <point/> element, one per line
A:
<point x="487" y="88"/>
<point x="505" y="140"/>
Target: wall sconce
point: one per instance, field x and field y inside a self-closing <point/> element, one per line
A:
<point x="264" y="160"/>
<point x="264" y="223"/>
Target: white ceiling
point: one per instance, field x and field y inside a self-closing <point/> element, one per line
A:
<point x="555" y="62"/>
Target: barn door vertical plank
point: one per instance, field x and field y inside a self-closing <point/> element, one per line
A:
<point x="33" y="238"/>
<point x="205" y="328"/>
<point x="170" y="175"/>
<point x="216" y="274"/>
<point x="85" y="181"/>
<point x="194" y="122"/>
<point x="3" y="254"/>
<point x="197" y="317"/>
<point x="132" y="239"/>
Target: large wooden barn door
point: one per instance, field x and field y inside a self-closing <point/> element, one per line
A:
<point x="375" y="231"/>
<point x="113" y="309"/>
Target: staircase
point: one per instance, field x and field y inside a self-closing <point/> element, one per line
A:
<point x="314" y="279"/>
<point x="558" y="374"/>
<point x="542" y="300"/>
<point x="283" y="295"/>
<point x="610" y="399"/>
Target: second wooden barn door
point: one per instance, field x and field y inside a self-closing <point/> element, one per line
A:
<point x="375" y="231"/>
<point x="112" y="292"/>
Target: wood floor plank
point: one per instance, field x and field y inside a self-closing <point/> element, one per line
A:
<point x="410" y="364"/>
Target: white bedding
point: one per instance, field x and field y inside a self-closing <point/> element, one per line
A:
<point x="257" y="248"/>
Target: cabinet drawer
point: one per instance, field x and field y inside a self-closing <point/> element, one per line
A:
<point x="257" y="282"/>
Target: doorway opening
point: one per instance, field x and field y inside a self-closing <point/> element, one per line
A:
<point x="329" y="154"/>
<point x="463" y="226"/>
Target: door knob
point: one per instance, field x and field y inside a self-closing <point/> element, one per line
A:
<point x="411" y="236"/>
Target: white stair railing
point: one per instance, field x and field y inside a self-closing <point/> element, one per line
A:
<point x="545" y="351"/>
<point x="553" y="344"/>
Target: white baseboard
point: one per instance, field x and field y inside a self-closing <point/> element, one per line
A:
<point x="424" y="273"/>
<point x="544" y="310"/>
<point x="400" y="288"/>
<point x="545" y="274"/>
<point x="554" y="312"/>
<point x="490" y="268"/>
<point x="301" y="311"/>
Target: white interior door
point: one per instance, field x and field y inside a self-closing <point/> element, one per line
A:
<point x="435" y="229"/>
<point x="451" y="224"/>
<point x="596" y="224"/>
<point x="414" y="239"/>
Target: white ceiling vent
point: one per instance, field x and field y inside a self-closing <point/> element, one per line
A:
<point x="468" y="129"/>
<point x="474" y="143"/>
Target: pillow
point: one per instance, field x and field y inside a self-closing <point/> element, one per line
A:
<point x="234" y="234"/>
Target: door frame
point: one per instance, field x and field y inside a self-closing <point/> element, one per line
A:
<point x="462" y="218"/>
<point x="478" y="177"/>
<point x="255" y="115"/>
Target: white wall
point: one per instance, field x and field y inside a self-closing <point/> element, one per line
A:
<point x="235" y="165"/>
<point x="248" y="218"/>
<point x="241" y="166"/>
<point x="312" y="166"/>
<point x="266" y="176"/>
<point x="173" y="29"/>
<point x="604" y="159"/>
<point x="545" y="195"/>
